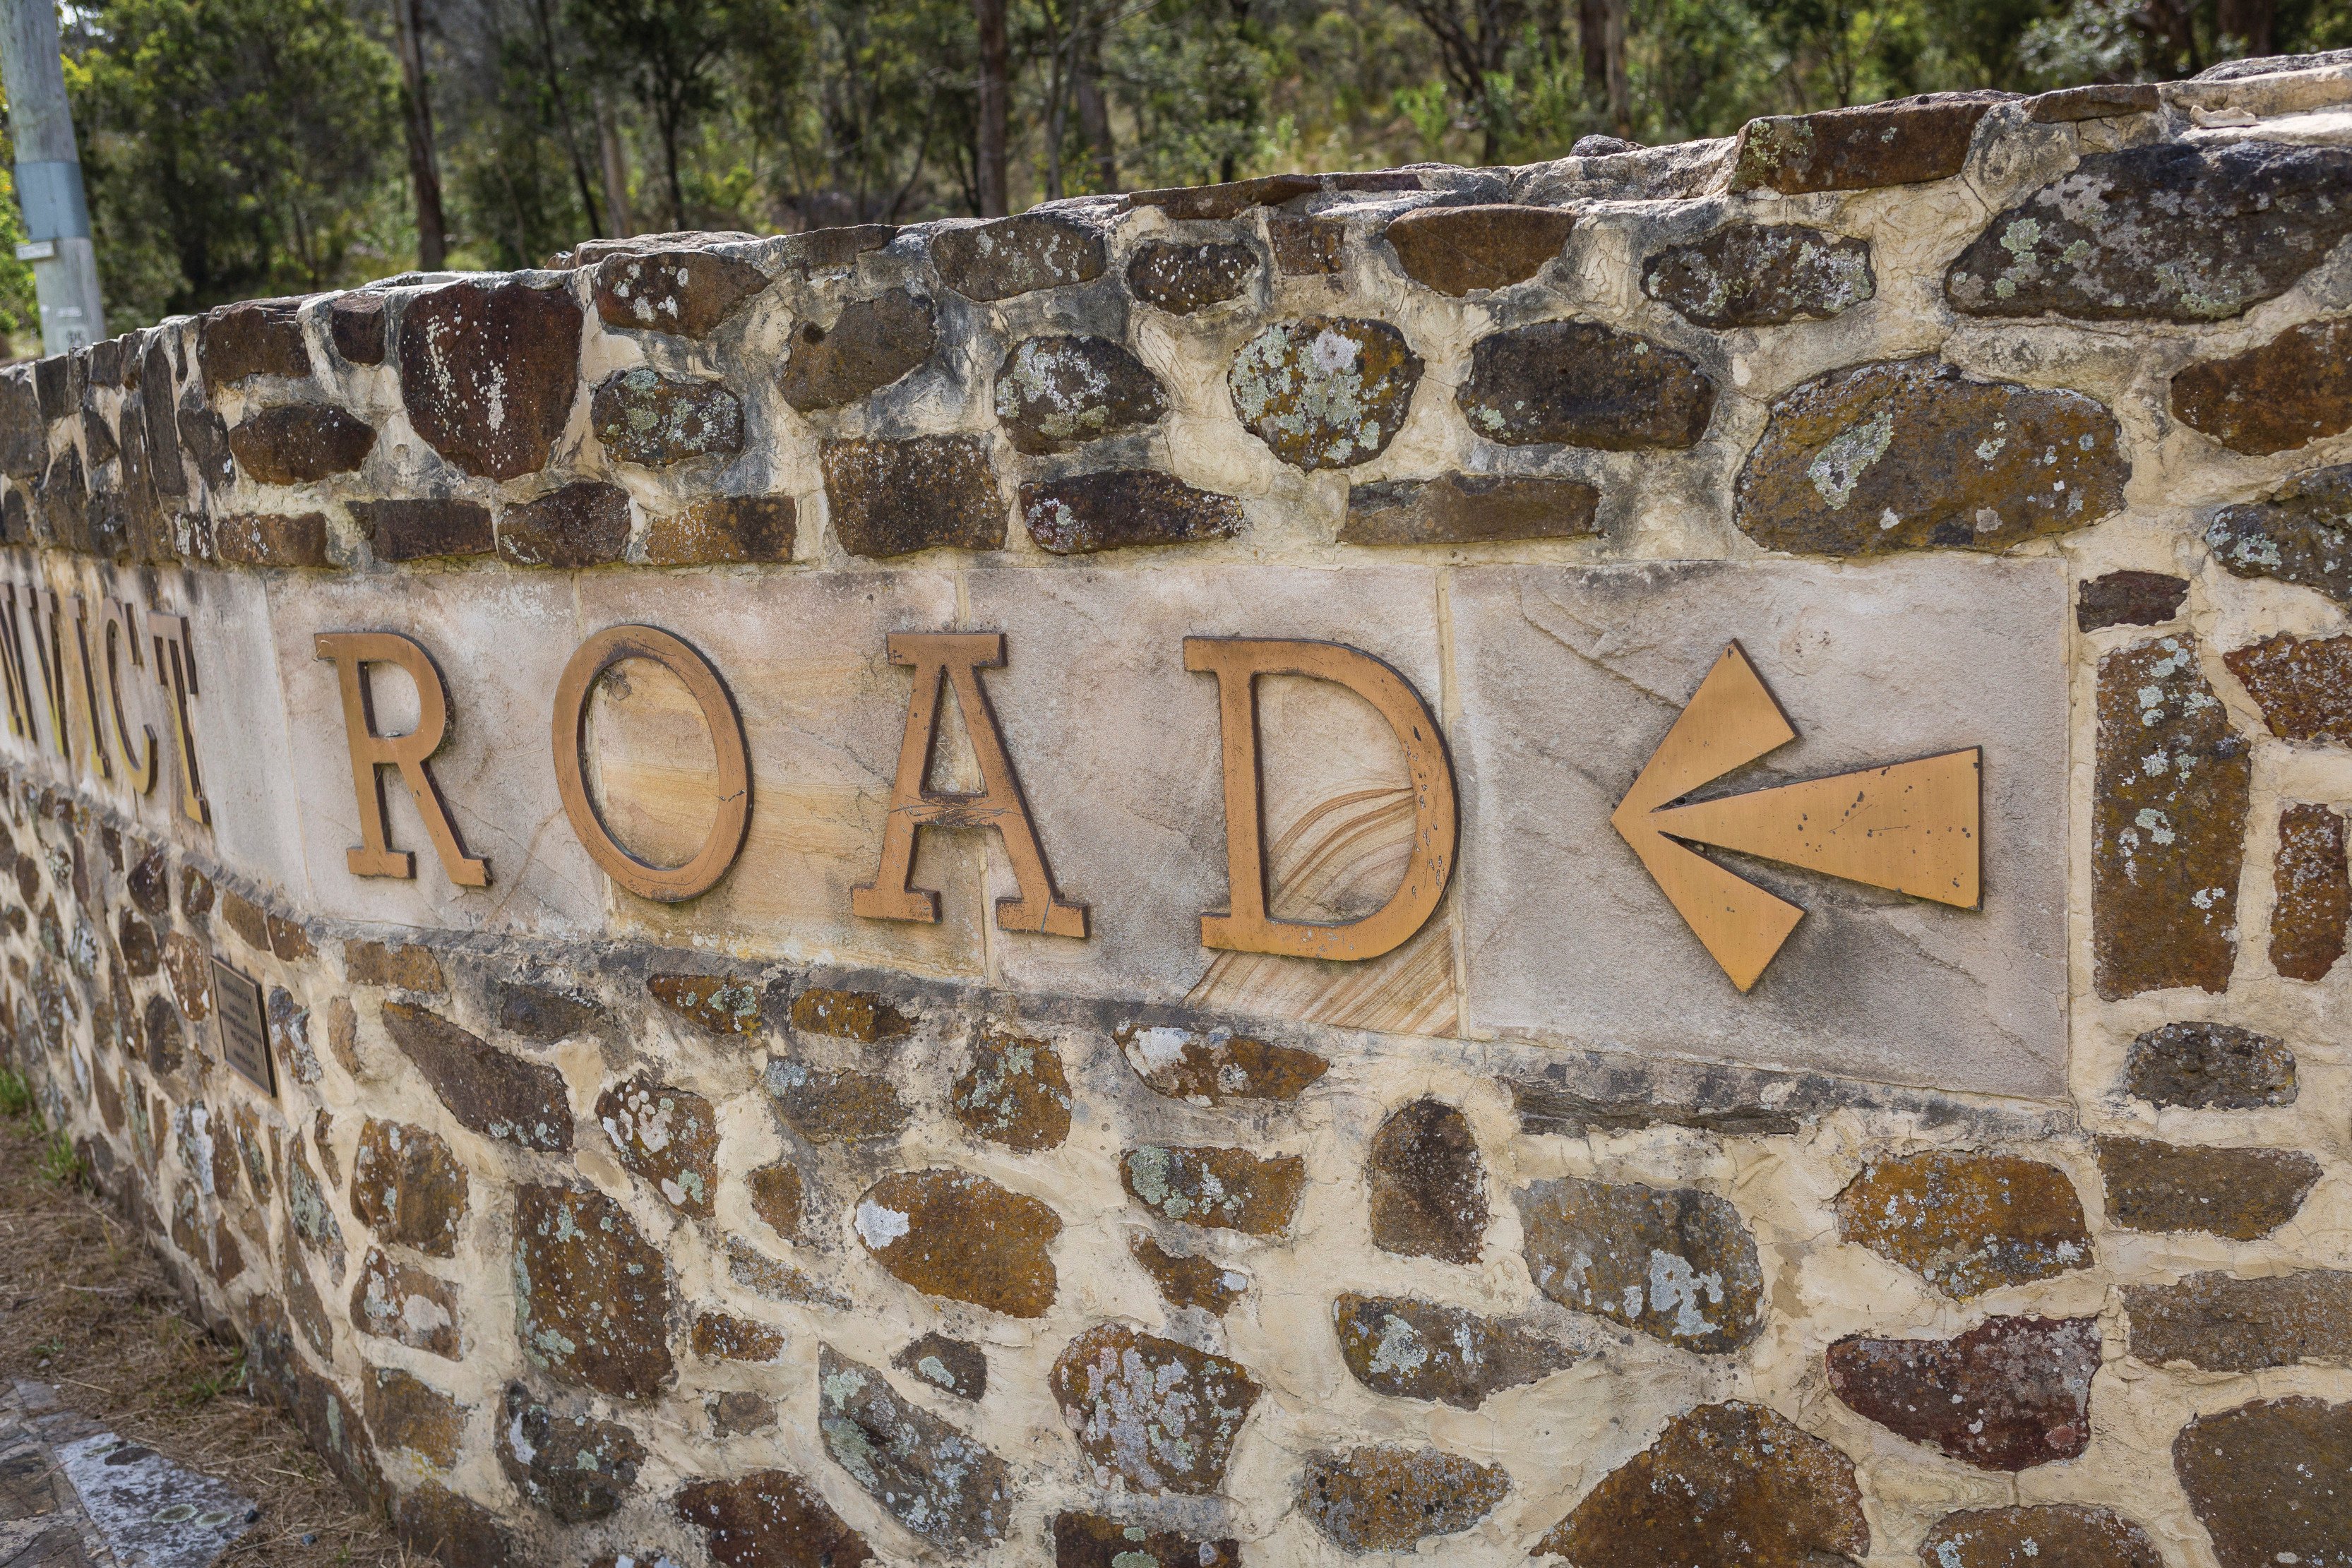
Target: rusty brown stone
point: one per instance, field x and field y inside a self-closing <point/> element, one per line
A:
<point x="685" y="292"/>
<point x="860" y="1015"/>
<point x="721" y="1336"/>
<point x="578" y="1469"/>
<point x="829" y="1107"/>
<point x="776" y="1279"/>
<point x="244" y="917"/>
<point x="1469" y="509"/>
<point x="776" y="1196"/>
<point x="453" y="1531"/>
<point x="1014" y="1092"/>
<point x="1122" y="508"/>
<point x="657" y="420"/>
<point x="1911" y="454"/>
<point x="2287" y="392"/>
<point x="1213" y="1066"/>
<point x="1324" y="391"/>
<point x="926" y="1474"/>
<point x="496" y="1094"/>
<point x="401" y="530"/>
<point x="1674" y="1262"/>
<point x="2168" y="232"/>
<point x="2128" y="599"/>
<point x="736" y="1413"/>
<point x="2218" y="1324"/>
<point x="408" y="1188"/>
<point x="256" y="337"/>
<point x="1904" y="141"/>
<point x="272" y="539"/>
<point x="1056" y="393"/>
<point x="592" y="1295"/>
<point x="2301" y="533"/>
<point x="2303" y="685"/>
<point x="1724" y="1486"/>
<point x="488" y="372"/>
<point x="998" y="260"/>
<point x="2314" y="899"/>
<point x="1761" y="274"/>
<point x="406" y="1412"/>
<point x="1192" y="204"/>
<point x="1192" y="1281"/>
<point x="771" y="1519"/>
<point x="1182" y="278"/>
<point x="403" y="1303"/>
<point x="288" y="941"/>
<point x="1098" y="1541"/>
<point x="149" y="882"/>
<point x="2169" y="819"/>
<point x="952" y="1233"/>
<point x="1411" y="1349"/>
<point x="1389" y="1498"/>
<point x="189" y="968"/>
<point x="1427" y="1183"/>
<point x="195" y="893"/>
<point x="1967" y="1223"/>
<point x="1583" y="384"/>
<point x="931" y="492"/>
<point x="300" y="443"/>
<point x="723" y="530"/>
<point x="541" y="1014"/>
<point x="1228" y="1189"/>
<point x="723" y="1004"/>
<point x="2267" y="1480"/>
<point x="355" y="327"/>
<point x="2055" y="1535"/>
<point x="2099" y="100"/>
<point x="1457" y="250"/>
<point x="870" y="344"/>
<point x="948" y="1364"/>
<point x="1156" y="1414"/>
<point x="2242" y="1194"/>
<point x="2210" y="1067"/>
<point x="404" y="966"/>
<point x="668" y="1136"/>
<point x="586" y="523"/>
<point x="2010" y="1393"/>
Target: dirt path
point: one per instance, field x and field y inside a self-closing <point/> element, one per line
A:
<point x="84" y="1307"/>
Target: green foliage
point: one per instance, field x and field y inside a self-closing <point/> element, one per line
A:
<point x="61" y="1162"/>
<point x="16" y="1094"/>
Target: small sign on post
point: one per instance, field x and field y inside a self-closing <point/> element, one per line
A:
<point x="243" y="1029"/>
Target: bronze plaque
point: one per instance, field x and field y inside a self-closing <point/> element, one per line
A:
<point x="243" y="1030"/>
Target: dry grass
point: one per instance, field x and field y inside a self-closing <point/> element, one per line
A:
<point x="86" y="1307"/>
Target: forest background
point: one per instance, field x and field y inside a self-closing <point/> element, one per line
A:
<point x="244" y="148"/>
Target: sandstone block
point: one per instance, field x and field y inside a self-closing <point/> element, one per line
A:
<point x="256" y="337"/>
<point x="931" y="492"/>
<point x="300" y="443"/>
<point x="724" y="531"/>
<point x="2098" y="101"/>
<point x="488" y="373"/>
<point x="1455" y="250"/>
<point x="1724" y="1486"/>
<point x="1761" y="274"/>
<point x="1182" y="278"/>
<point x="870" y="344"/>
<point x="949" y="1233"/>
<point x="1908" y="453"/>
<point x="2301" y="533"/>
<point x="1122" y="508"/>
<point x="665" y="1136"/>
<point x="1211" y="1066"/>
<point x="654" y="420"/>
<point x="578" y="1469"/>
<point x="496" y="1094"/>
<point x="1192" y="1281"/>
<point x="1968" y="1223"/>
<point x="1468" y="508"/>
<point x="1229" y="1189"/>
<point x="1392" y="1499"/>
<point x="586" y="523"/>
<point x="1676" y="1263"/>
<point x="404" y="1411"/>
<point x="1055" y="393"/>
<point x="1583" y="384"/>
<point x="2167" y="824"/>
<point x="771" y="1519"/>
<point x="926" y="1475"/>
<point x="2267" y="1480"/>
<point x="685" y="292"/>
<point x="400" y="1301"/>
<point x="2055" y="1535"/>
<point x="2163" y="233"/>
<point x="1422" y="1350"/>
<point x="1324" y="391"/>
<point x="2010" y="1393"/>
<point x="998" y="260"/>
<point x="1156" y="1414"/>
<point x="2242" y="1194"/>
<point x="1428" y="1186"/>
<point x="2218" y="1323"/>
<point x="1903" y="142"/>
<point x="1098" y="1541"/>
<point x="2312" y="897"/>
<point x="1014" y="1092"/>
<point x="2128" y="599"/>
<point x="408" y="1188"/>
<point x="2210" y="1067"/>
<point x="2287" y="392"/>
<point x="723" y="1004"/>
<point x="826" y="1107"/>
<point x="405" y="967"/>
<point x="948" y="1364"/>
<point x="592" y="1295"/>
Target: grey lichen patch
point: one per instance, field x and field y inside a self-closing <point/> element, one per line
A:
<point x="665" y="1136"/>
<point x="1054" y="394"/>
<point x="1676" y="1263"/>
<point x="1015" y="256"/>
<point x="1968" y="1222"/>
<point x="1324" y="391"/>
<point x="1156" y="1414"/>
<point x="829" y="1107"/>
<point x="928" y="1476"/>
<point x="1761" y="274"/>
<point x="1222" y="1189"/>
<point x="1423" y="1350"/>
<point x="2301" y="533"/>
<point x="592" y="1295"/>
<point x="654" y="420"/>
<point x="1014" y="1092"/>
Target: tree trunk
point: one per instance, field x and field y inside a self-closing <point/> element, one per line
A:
<point x="995" y="84"/>
<point x="615" y="161"/>
<point x="424" y="169"/>
<point x="1094" y="113"/>
<point x="562" y="101"/>
<point x="2249" y="21"/>
<point x="1621" y="88"/>
<point x="669" y="167"/>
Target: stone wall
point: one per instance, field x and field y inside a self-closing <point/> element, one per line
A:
<point x="584" y="1227"/>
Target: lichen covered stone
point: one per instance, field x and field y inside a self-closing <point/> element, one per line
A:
<point x="1014" y="1092"/>
<point x="2312" y="897"/>
<point x="1580" y="384"/>
<point x="1221" y="1188"/>
<point x="1761" y="274"/>
<point x="1182" y="278"/>
<point x="1968" y="1223"/>
<point x="870" y="344"/>
<point x="1158" y="1415"/>
<point x="2216" y="1323"/>
<point x="666" y="1137"/>
<point x="930" y="492"/>
<point x="2287" y="392"/>
<point x="404" y="1304"/>
<point x="1469" y="509"/>
<point x="593" y="1296"/>
<point x="1455" y="250"/>
<point x="1412" y="1349"/>
<point x="684" y="292"/>
<point x="1427" y="1185"/>
<point x="1676" y="1263"/>
<point x="723" y="1004"/>
<point x="488" y="372"/>
<point x="926" y="1475"/>
<point x="1018" y="254"/>
<point x="1189" y="1282"/>
<point x="1324" y="391"/>
<point x="1098" y="1541"/>
<point x="1904" y="141"/>
<point x="489" y="1090"/>
<point x="770" y="1518"/>
<point x="2242" y="1194"/>
<point x="2008" y="1394"/>
<point x="586" y="523"/>
<point x="1057" y="392"/>
<point x="2301" y="533"/>
<point x="2303" y="684"/>
<point x="1389" y="1498"/>
<point x="2267" y="1482"/>
<point x="408" y="1187"/>
<point x="1214" y="1066"/>
<point x="951" y="1233"/>
<point x="1122" y="508"/>
<point x="2055" y="1535"/>
<point x="579" y="1468"/>
<point x="2210" y="1067"/>
<point x="654" y="420"/>
<point x="829" y="1107"/>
